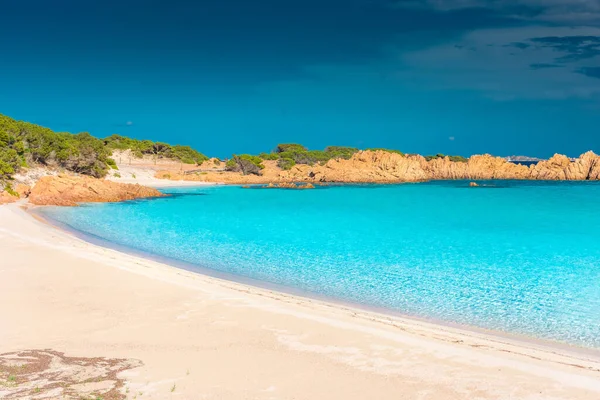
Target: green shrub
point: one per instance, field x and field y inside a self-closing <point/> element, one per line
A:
<point x="315" y="156"/>
<point x="285" y="163"/>
<point x="269" y="156"/>
<point x="387" y="150"/>
<point x="246" y="164"/>
<point x="451" y="158"/>
<point x="231" y="163"/>
<point x="253" y="159"/>
<point x="286" y="147"/>
<point x="84" y="154"/>
<point x="139" y="148"/>
<point x="340" y="152"/>
<point x="186" y="155"/>
<point x="9" y="162"/>
<point x="300" y="155"/>
<point x="22" y="143"/>
<point x="458" y="159"/>
<point x="8" y="188"/>
<point x="111" y="163"/>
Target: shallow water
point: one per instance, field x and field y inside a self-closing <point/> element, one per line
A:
<point x="520" y="257"/>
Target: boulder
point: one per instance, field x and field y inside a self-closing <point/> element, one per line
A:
<point x="66" y="190"/>
<point x="6" y="198"/>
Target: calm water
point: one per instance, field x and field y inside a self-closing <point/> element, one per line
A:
<point x="521" y="257"/>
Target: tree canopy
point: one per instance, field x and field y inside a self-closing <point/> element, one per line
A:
<point x="290" y="154"/>
<point x="451" y="158"/>
<point x="246" y="164"/>
<point x="23" y="144"/>
<point x="139" y="148"/>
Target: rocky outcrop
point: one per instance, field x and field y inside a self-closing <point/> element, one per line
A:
<point x="6" y="197"/>
<point x="477" y="167"/>
<point x="559" y="167"/>
<point x="22" y="190"/>
<point x="594" y="174"/>
<point x="66" y="190"/>
<point x="365" y="166"/>
<point x="387" y="167"/>
<point x="553" y="169"/>
<point x="583" y="168"/>
<point x="10" y="196"/>
<point x="381" y="166"/>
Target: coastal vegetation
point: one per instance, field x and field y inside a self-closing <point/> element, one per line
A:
<point x="387" y="150"/>
<point x="286" y="163"/>
<point x="451" y="158"/>
<point x="246" y="164"/>
<point x="139" y="148"/>
<point x="23" y="144"/>
<point x="288" y="155"/>
<point x="291" y="154"/>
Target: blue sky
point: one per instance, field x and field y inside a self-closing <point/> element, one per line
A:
<point x="233" y="76"/>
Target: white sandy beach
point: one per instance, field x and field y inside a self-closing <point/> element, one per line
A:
<point x="144" y="176"/>
<point x="198" y="337"/>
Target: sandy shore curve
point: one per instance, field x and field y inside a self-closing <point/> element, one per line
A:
<point x="189" y="336"/>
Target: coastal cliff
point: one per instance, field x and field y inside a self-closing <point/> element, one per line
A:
<point x="63" y="190"/>
<point x="388" y="167"/>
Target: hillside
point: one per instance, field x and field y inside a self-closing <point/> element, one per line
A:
<point x="24" y="145"/>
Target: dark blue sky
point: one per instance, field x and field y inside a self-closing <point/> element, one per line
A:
<point x="453" y="76"/>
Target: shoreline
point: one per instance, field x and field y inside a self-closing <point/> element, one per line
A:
<point x="172" y="319"/>
<point x="379" y="313"/>
<point x="165" y="183"/>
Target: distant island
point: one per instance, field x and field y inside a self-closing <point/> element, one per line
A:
<point x="522" y="158"/>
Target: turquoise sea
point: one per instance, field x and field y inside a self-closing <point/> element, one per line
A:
<point x="518" y="257"/>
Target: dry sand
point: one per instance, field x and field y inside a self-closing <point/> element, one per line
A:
<point x="144" y="175"/>
<point x="198" y="337"/>
<point x="143" y="171"/>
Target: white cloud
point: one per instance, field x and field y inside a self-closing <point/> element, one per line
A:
<point x="485" y="61"/>
<point x="581" y="12"/>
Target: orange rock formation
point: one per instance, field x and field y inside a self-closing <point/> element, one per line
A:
<point x="6" y="198"/>
<point x="65" y="190"/>
<point x="21" y="190"/>
<point x="386" y="167"/>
